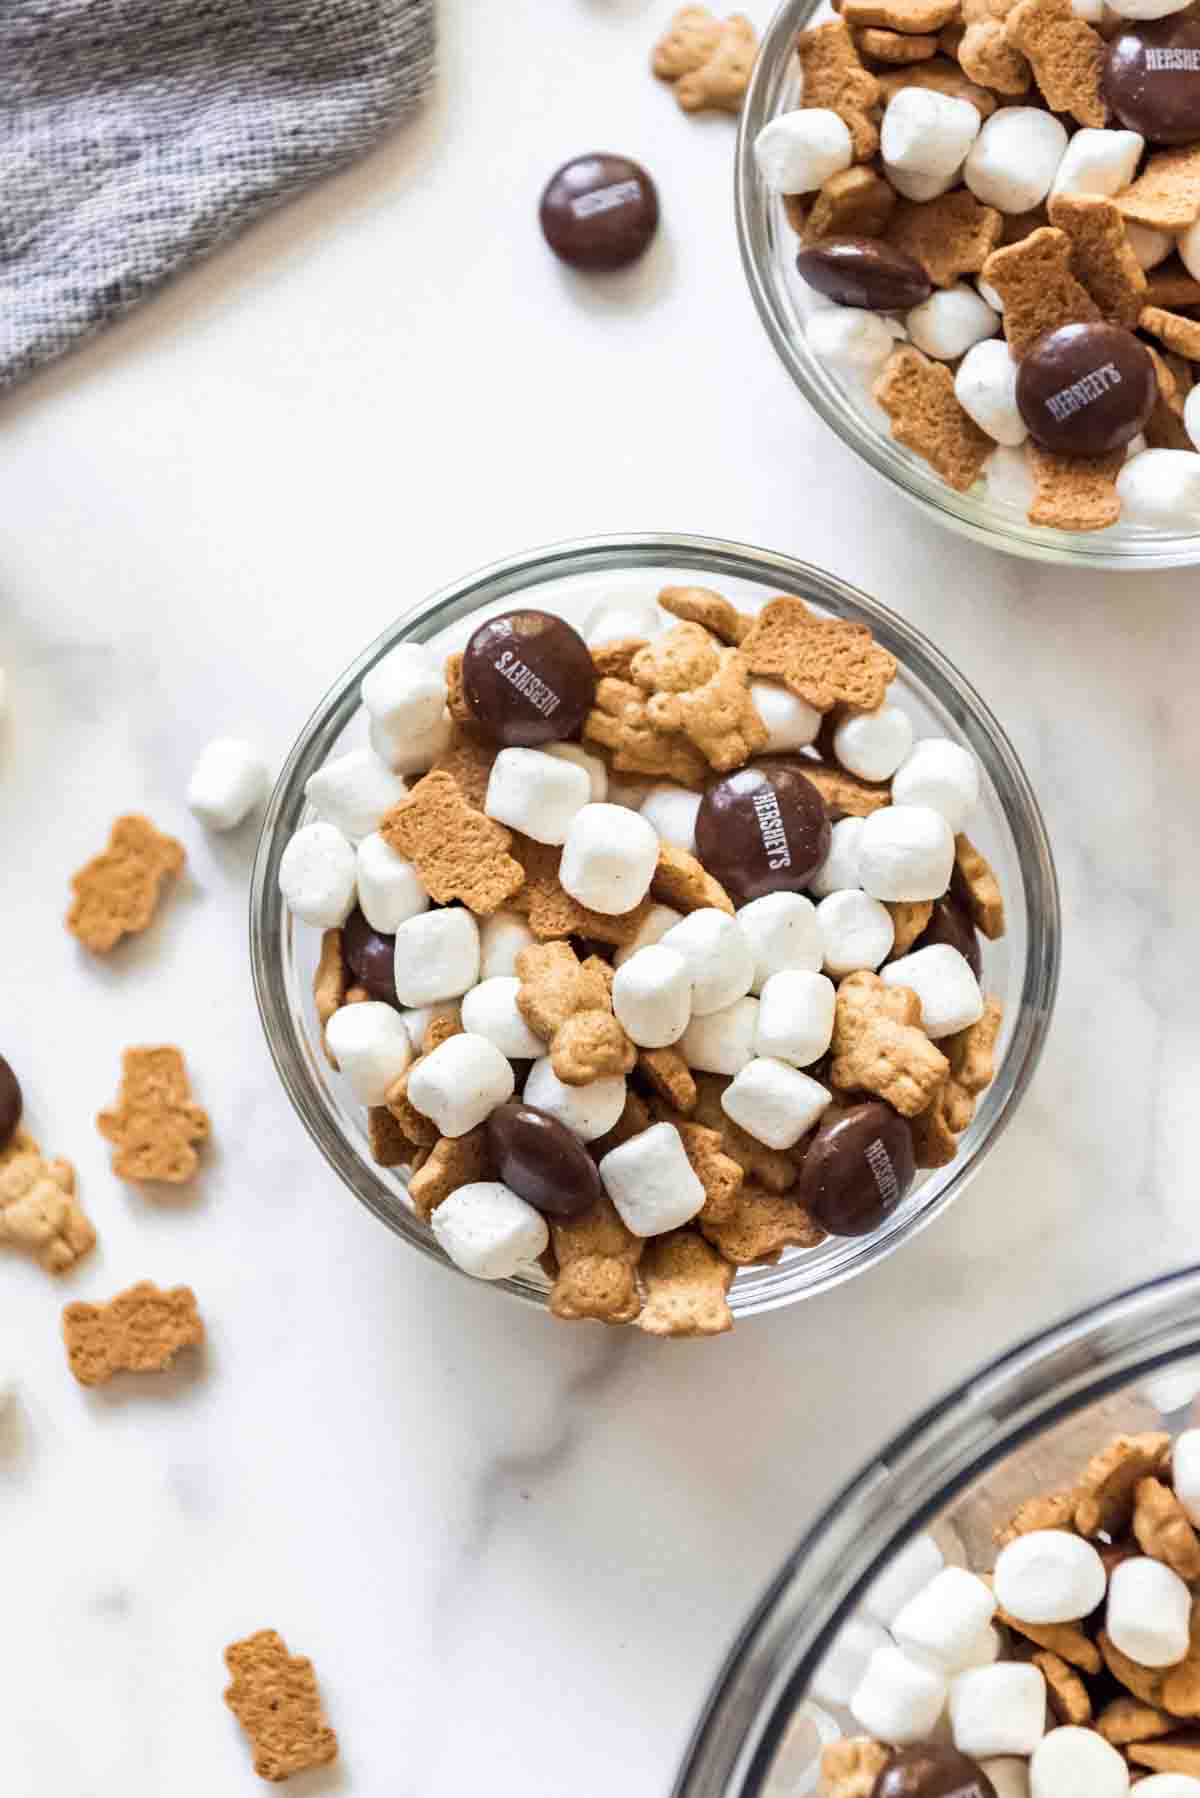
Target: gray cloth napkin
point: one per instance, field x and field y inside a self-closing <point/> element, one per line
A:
<point x="136" y="134"/>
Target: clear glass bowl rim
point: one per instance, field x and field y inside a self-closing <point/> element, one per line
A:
<point x="715" y="558"/>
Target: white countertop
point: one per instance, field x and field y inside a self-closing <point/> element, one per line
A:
<point x="516" y="1552"/>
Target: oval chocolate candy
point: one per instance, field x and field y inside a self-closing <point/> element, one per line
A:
<point x="763" y="829"/>
<point x="11" y="1103"/>
<point x="541" y="1160"/>
<point x="857" y="1168"/>
<point x="1086" y="389"/>
<point x="370" y="957"/>
<point x="932" y="1770"/>
<point x="599" y="211"/>
<point x="949" y="924"/>
<point x="1152" y="78"/>
<point x="528" y="678"/>
<point x="861" y="271"/>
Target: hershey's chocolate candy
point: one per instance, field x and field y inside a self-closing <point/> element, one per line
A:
<point x="544" y="1163"/>
<point x="370" y="957"/>
<point x="857" y="1168"/>
<point x="763" y="829"/>
<point x="11" y="1103"/>
<point x="932" y="1770"/>
<point x="864" y="271"/>
<point x="599" y="211"/>
<point x="528" y="678"/>
<point x="950" y="924"/>
<point x="1152" y="78"/>
<point x="1086" y="389"/>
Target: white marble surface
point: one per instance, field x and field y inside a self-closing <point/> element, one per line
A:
<point x="516" y="1551"/>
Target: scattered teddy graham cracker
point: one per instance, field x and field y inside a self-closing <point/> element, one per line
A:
<point x="550" y="909"/>
<point x="417" y="1129"/>
<point x="274" y="1696"/>
<point x="832" y="75"/>
<point x="845" y="794"/>
<point x="918" y="396"/>
<point x="989" y="58"/>
<point x="1162" y="1529"/>
<point x="975" y="886"/>
<point x="684" y="882"/>
<point x="597" y="1260"/>
<point x="943" y="77"/>
<point x="822" y="660"/>
<point x="1164" y="429"/>
<point x="330" y="981"/>
<point x="701" y="605"/>
<point x="686" y="1284"/>
<point x="1034" y="280"/>
<point x="1066" y="55"/>
<point x="951" y="236"/>
<point x="850" y="1767"/>
<point x="1179" y="334"/>
<point x="857" y="202"/>
<point x="879" y="1047"/>
<point x="913" y="17"/>
<point x="894" y="46"/>
<point x="620" y="722"/>
<point x="718" y="1173"/>
<point x="452" y="1162"/>
<point x="1067" y="1694"/>
<point x="468" y="761"/>
<point x="708" y="59"/>
<point x="1075" y="493"/>
<point x="457" y="851"/>
<point x="39" y="1210"/>
<point x="1101" y="257"/>
<point x="765" y="1167"/>
<point x="760" y="1225"/>
<point x="909" y="918"/>
<point x="669" y="1075"/>
<point x="1166" y="195"/>
<point x="1170" y="285"/>
<point x="141" y="1330"/>
<point x="1125" y="1720"/>
<point x="568" y="1004"/>
<point x="155" y="1123"/>
<point x="718" y="716"/>
<point x="1109" y="1481"/>
<point x="390" y="1147"/>
<point x="117" y="892"/>
<point x="614" y="659"/>
<point x="1181" y="1755"/>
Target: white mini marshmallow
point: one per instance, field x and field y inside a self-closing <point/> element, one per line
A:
<point x="460" y="1083"/>
<point x="1188" y="245"/>
<point x="782" y="931"/>
<point x="1147" y="1612"/>
<point x="488" y="1230"/>
<point x="988" y="292"/>
<point x="651" y="1181"/>
<point x="405" y="693"/>
<point x="1146" y="9"/>
<point x="1185" y="1470"/>
<point x="608" y="858"/>
<point x="1015" y="158"/>
<point x="1009" y="478"/>
<point x="985" y="384"/>
<point x="229" y="779"/>
<point x="998" y="1710"/>
<point x="652" y="996"/>
<point x="856" y="932"/>
<point x="791" y="722"/>
<point x="722" y="1042"/>
<point x="942" y="775"/>
<point x="898" y="1700"/>
<point x="942" y="1622"/>
<point x="838" y="873"/>
<point x="501" y="939"/>
<point x="1010" y="1777"/>
<point x="389" y="887"/>
<point x="653" y="927"/>
<point x="873" y="744"/>
<point x="851" y="338"/>
<point x="371" y="1047"/>
<point x="592" y="766"/>
<point x="436" y="956"/>
<point x="798" y="152"/>
<point x="622" y="615"/>
<point x="1077" y="1763"/>
<point x="905" y="852"/>
<point x="539" y="795"/>
<point x="719" y="958"/>
<point x="845" y="1660"/>
<point x="1164" y="1785"/>
<point x="951" y="320"/>
<point x="589" y="1110"/>
<point x="927" y="133"/>
<point x="773" y="1102"/>
<point x="410" y="752"/>
<point x="671" y="812"/>
<point x="795" y="1017"/>
<point x="317" y="876"/>
<point x="914" y="186"/>
<point x="1099" y="162"/>
<point x="903" y="1577"/>
<point x="354" y="792"/>
<point x="1049" y="1576"/>
<point x="944" y="982"/>
<point x="1160" y="489"/>
<point x="490" y="1009"/>
<point x="1191" y="416"/>
<point x="1149" y="246"/>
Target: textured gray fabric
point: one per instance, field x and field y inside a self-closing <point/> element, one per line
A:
<point x="136" y="134"/>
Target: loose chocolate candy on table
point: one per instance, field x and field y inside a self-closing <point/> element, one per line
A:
<point x="949" y="923"/>
<point x="1152" y="78"/>
<point x="863" y="271"/>
<point x="599" y="211"/>
<point x="763" y="829"/>
<point x="528" y="678"/>
<point x="10" y="1103"/>
<point x="932" y="1770"/>
<point x="1086" y="389"/>
<point x="371" y="957"/>
<point x="541" y="1160"/>
<point x="857" y="1168"/>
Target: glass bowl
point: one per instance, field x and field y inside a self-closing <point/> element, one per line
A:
<point x="784" y="301"/>
<point x="1024" y="1424"/>
<point x="569" y="578"/>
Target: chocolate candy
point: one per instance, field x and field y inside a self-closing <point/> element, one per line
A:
<point x="11" y="1104"/>
<point x="371" y="957"/>
<point x="864" y="271"/>
<point x="763" y="829"/>
<point x="932" y="1770"/>
<point x="599" y="212"/>
<point x="1152" y="78"/>
<point x="528" y="678"/>
<point x="542" y="1161"/>
<point x="949" y="923"/>
<point x="857" y="1168"/>
<point x="1085" y="389"/>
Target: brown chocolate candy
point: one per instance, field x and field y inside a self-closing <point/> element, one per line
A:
<point x="857" y="1168"/>
<point x="1086" y="389"/>
<point x="599" y="211"/>
<point x="932" y="1770"/>
<point x="864" y="271"/>
<point x="11" y="1103"/>
<point x="1152" y="78"/>
<point x="528" y="678"/>
<point x="950" y="924"/>
<point x="763" y="829"/>
<point x="541" y="1160"/>
<point x="371" y="957"/>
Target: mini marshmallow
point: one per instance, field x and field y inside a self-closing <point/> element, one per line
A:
<point x="652" y="996"/>
<point x="1185" y="1470"/>
<point x="849" y="337"/>
<point x="229" y="779"/>
<point x="873" y="744"/>
<point x="671" y="811"/>
<point x="927" y="133"/>
<point x="1009" y="478"/>
<point x="405" y="692"/>
<point x="1147" y="1612"/>
<point x="410" y="752"/>
<point x="952" y="319"/>
<point x="460" y="1083"/>
<point x="914" y="186"/>
<point x="906" y="1573"/>
<point x="436" y="956"/>
<point x="942" y="1622"/>
<point x="651" y="1181"/>
<point x="1188" y="245"/>
<point x="354" y="792"/>
<point x="1010" y="1777"/>
<point x="592" y="766"/>
<point x="501" y="939"/>
<point x="1077" y="1763"/>
<point x="317" y="876"/>
<point x="838" y="873"/>
<point x="371" y="1047"/>
<point x="1099" y="162"/>
<point x="1049" y="1576"/>
<point x="898" y="1700"/>
<point x="721" y="1042"/>
<point x="998" y="1710"/>
<point x="608" y="859"/>
<point x="985" y="385"/>
<point x="589" y="1111"/>
<point x="905" y="852"/>
<point x="389" y="887"/>
<point x="791" y="722"/>
<point x="488" y="1230"/>
<point x="856" y="932"/>
<point x="1146" y="9"/>
<point x="845" y="1660"/>
<point x="942" y="775"/>
<point x="987" y="292"/>
<point x="490" y="1009"/>
<point x="773" y="1102"/>
<point x="654" y="926"/>
<point x="1160" y="489"/>
<point x="719" y="957"/>
<point x="1164" y="1785"/>
<point x="1191" y="416"/>
<point x="798" y="152"/>
<point x="944" y="982"/>
<point x="622" y="615"/>
<point x="539" y="795"/>
<point x="1015" y="158"/>
<point x="782" y="931"/>
<point x="1149" y="246"/>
